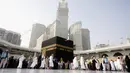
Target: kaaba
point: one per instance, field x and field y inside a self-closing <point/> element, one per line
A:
<point x="59" y="47"/>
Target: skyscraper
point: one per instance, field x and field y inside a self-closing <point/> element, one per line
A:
<point x="60" y="26"/>
<point x="2" y="33"/>
<point x="80" y="36"/>
<point x="62" y="20"/>
<point x="86" y="39"/>
<point x="50" y="31"/>
<point x="75" y="35"/>
<point x="37" y="31"/>
<point x="16" y="38"/>
<point x="10" y="36"/>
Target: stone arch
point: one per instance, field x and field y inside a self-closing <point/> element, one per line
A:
<point x="104" y="55"/>
<point x="118" y="54"/>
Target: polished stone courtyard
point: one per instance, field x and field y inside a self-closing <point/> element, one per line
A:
<point x="53" y="71"/>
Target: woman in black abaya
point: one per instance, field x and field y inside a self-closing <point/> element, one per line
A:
<point x="55" y="61"/>
<point x="38" y="62"/>
<point x="127" y="61"/>
<point x="10" y="62"/>
<point x="93" y="63"/>
<point x="25" y="63"/>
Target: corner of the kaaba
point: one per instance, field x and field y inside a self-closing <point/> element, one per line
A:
<point x="59" y="47"/>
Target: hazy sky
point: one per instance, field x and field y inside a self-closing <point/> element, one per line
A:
<point x="106" y="19"/>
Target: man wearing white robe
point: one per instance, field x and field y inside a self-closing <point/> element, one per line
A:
<point x="43" y="63"/>
<point x="51" y="64"/>
<point x="75" y="63"/>
<point x="115" y="63"/>
<point x="98" y="64"/>
<point x="34" y="61"/>
<point x="86" y="65"/>
<point x="112" y="65"/>
<point x="21" y="61"/>
<point x="119" y="64"/>
<point x="82" y="63"/>
<point x="71" y="65"/>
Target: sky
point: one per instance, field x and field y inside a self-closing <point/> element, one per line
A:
<point x="107" y="20"/>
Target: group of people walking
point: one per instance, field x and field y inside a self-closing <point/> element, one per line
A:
<point x="122" y="63"/>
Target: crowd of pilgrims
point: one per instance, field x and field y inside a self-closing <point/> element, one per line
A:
<point x="122" y="63"/>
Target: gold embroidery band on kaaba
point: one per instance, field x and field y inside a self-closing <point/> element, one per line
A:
<point x="52" y="47"/>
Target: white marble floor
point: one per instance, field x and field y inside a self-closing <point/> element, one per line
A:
<point x="52" y="71"/>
